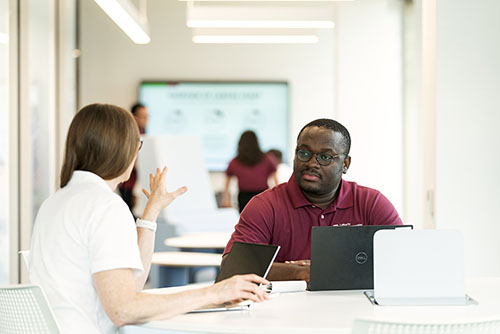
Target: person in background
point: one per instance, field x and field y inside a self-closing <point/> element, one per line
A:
<point x="252" y="168"/>
<point x="141" y="116"/>
<point x="315" y="195"/>
<point x="283" y="171"/>
<point x="87" y="253"/>
<point x="126" y="189"/>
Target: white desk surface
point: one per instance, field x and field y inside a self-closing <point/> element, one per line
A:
<point x="214" y="240"/>
<point x="326" y="312"/>
<point x="186" y="259"/>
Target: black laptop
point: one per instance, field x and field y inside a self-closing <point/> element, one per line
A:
<point x="248" y="258"/>
<point x="342" y="256"/>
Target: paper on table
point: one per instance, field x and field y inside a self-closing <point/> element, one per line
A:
<point x="286" y="286"/>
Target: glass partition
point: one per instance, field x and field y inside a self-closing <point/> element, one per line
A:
<point x="41" y="95"/>
<point x="4" y="142"/>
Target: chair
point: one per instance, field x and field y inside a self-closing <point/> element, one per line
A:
<point x="24" y="309"/>
<point x="362" y="326"/>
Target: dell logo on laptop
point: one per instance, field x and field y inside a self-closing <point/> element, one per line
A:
<point x="361" y="257"/>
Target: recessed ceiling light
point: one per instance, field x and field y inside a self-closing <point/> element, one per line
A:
<point x="127" y="17"/>
<point x="256" y="39"/>
<point x="311" y="24"/>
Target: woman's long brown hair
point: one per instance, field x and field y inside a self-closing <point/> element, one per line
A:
<point x="102" y="139"/>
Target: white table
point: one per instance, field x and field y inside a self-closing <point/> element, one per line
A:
<point x="326" y="312"/>
<point x="206" y="240"/>
<point x="211" y="242"/>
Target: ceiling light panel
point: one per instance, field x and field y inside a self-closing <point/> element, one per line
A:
<point x="128" y="18"/>
<point x="256" y="39"/>
<point x="302" y="1"/>
<point x="241" y="16"/>
<point x="260" y="36"/>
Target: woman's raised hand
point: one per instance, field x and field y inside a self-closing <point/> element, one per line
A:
<point x="159" y="197"/>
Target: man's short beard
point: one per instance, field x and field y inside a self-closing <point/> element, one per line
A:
<point x="311" y="190"/>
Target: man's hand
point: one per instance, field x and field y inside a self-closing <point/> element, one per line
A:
<point x="289" y="271"/>
<point x="300" y="262"/>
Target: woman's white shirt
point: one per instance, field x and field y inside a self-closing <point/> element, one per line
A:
<point x="82" y="229"/>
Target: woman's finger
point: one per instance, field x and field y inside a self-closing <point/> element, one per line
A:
<point x="178" y="192"/>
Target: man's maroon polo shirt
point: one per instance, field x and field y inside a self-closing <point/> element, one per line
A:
<point x="283" y="216"/>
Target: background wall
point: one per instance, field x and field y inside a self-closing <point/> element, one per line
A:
<point x="467" y="121"/>
<point x="112" y="66"/>
<point x="369" y="95"/>
<point x="353" y="74"/>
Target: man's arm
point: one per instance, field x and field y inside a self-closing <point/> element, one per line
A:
<point x="297" y="270"/>
<point x="254" y="225"/>
<point x="383" y="212"/>
<point x="288" y="272"/>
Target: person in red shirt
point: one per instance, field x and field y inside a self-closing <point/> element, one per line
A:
<point x="252" y="168"/>
<point x="126" y="189"/>
<point x="315" y="195"/>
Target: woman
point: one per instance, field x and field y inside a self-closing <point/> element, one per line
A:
<point x="252" y="168"/>
<point x="87" y="253"/>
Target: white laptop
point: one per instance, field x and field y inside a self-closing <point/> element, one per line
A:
<point x="418" y="267"/>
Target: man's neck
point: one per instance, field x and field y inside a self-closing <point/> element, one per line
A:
<point x="323" y="201"/>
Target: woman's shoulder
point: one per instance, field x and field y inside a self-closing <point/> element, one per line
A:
<point x="87" y="195"/>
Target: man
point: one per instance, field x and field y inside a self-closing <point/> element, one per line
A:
<point x="126" y="189"/>
<point x="315" y="195"/>
<point x="283" y="171"/>
<point x="141" y="116"/>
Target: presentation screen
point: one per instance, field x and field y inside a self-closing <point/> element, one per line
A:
<point x="218" y="112"/>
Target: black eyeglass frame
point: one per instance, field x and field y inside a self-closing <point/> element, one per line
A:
<point x="140" y="144"/>
<point x="321" y="161"/>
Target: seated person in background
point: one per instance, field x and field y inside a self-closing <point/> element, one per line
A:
<point x="283" y="171"/>
<point x="87" y="253"/>
<point x="126" y="189"/>
<point x="315" y="195"/>
<point x="251" y="167"/>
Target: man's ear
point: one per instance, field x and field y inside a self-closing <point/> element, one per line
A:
<point x="347" y="163"/>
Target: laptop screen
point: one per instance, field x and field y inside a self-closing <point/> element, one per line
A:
<point x="247" y="258"/>
<point x="342" y="256"/>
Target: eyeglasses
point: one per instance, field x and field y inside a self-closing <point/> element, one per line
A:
<point x="322" y="158"/>
<point x="140" y="145"/>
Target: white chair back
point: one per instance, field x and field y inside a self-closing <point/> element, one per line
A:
<point x="362" y="326"/>
<point x="24" y="309"/>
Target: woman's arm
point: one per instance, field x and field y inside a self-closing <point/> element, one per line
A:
<point x="146" y="243"/>
<point x="124" y="305"/>
<point x="158" y="199"/>
<point x="226" y="200"/>
<point x="274" y="176"/>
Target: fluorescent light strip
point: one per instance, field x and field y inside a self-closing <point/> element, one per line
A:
<point x="263" y="0"/>
<point x="255" y="39"/>
<point x="124" y="20"/>
<point x="260" y="24"/>
<point x="4" y="38"/>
